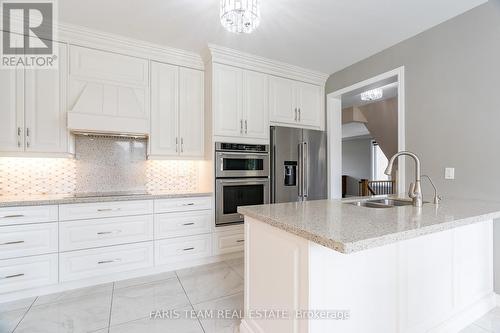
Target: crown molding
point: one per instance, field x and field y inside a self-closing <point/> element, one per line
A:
<point x="227" y="56"/>
<point x="77" y="35"/>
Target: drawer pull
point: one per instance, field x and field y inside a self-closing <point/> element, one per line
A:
<point x="109" y="232"/>
<point x="188" y="204"/>
<point x="12" y="243"/>
<point x="190" y="223"/>
<point x="108" y="261"/>
<point x="109" y="210"/>
<point x="13" y="276"/>
<point x="188" y="249"/>
<point x="13" y="216"/>
<point x="240" y="241"/>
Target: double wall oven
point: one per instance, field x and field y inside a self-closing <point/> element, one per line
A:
<point x="242" y="179"/>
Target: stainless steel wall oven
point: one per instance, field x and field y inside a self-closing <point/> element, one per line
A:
<point x="242" y="179"/>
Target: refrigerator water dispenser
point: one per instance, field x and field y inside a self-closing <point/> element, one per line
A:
<point x="290" y="173"/>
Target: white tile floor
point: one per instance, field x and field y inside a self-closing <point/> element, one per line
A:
<point x="125" y="306"/>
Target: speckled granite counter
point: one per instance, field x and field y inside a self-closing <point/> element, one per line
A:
<point x="37" y="200"/>
<point x="348" y="228"/>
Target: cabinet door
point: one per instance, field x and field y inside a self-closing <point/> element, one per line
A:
<point x="227" y="106"/>
<point x="282" y="100"/>
<point x="256" y="105"/>
<point x="164" y="109"/>
<point x="309" y="103"/>
<point x="11" y="110"/>
<point x="45" y="112"/>
<point x="191" y="120"/>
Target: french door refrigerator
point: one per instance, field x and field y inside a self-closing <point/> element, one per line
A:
<point x="298" y="165"/>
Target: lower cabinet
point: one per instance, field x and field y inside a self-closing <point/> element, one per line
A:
<point x="107" y="260"/>
<point x="170" y="251"/>
<point x="27" y="240"/>
<point x="229" y="240"/>
<point x="28" y="272"/>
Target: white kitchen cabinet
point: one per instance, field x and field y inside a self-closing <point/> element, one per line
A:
<point x="108" y="92"/>
<point x="177" y="119"/>
<point x="164" y="109"/>
<point x="33" y="109"/>
<point x="227" y="101"/>
<point x="191" y="112"/>
<point x="240" y="103"/>
<point x="295" y="103"/>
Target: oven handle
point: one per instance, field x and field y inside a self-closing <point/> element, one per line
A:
<point x="242" y="155"/>
<point x="248" y="181"/>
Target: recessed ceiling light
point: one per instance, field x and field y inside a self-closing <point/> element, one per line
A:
<point x="240" y="16"/>
<point x="372" y="95"/>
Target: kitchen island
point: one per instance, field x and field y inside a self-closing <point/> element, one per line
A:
<point x="332" y="266"/>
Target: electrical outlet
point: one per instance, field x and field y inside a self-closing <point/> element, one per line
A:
<point x="449" y="173"/>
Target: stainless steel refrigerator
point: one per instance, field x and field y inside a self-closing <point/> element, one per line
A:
<point x="298" y="165"/>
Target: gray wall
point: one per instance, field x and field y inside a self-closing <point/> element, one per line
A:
<point x="452" y="101"/>
<point x="356" y="162"/>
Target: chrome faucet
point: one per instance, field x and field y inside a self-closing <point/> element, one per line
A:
<point x="437" y="197"/>
<point x="415" y="191"/>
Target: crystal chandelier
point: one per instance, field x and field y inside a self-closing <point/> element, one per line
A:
<point x="372" y="95"/>
<point x="240" y="16"/>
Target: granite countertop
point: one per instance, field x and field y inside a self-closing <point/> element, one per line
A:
<point x="347" y="228"/>
<point x="54" y="199"/>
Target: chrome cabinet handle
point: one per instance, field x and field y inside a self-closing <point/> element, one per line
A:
<point x="27" y="137"/>
<point x="19" y="131"/>
<point x="101" y="210"/>
<point x="190" y="223"/>
<point x="12" y="216"/>
<point x="188" y="249"/>
<point x="295" y="114"/>
<point x="241" y="126"/>
<point x="109" y="232"/>
<point x="240" y="241"/>
<point x="13" y="243"/>
<point x="246" y="126"/>
<point x="109" y="261"/>
<point x="13" y="276"/>
<point x="176" y="145"/>
<point x="188" y="204"/>
<point x="300" y="114"/>
<point x="182" y="145"/>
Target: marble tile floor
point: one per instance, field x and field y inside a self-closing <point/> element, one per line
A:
<point x="126" y="306"/>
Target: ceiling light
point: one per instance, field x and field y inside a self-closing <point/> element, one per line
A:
<point x="372" y="95"/>
<point x="240" y="16"/>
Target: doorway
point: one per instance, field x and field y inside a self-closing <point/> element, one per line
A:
<point x="366" y="127"/>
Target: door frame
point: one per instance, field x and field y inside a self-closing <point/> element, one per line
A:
<point x="334" y="130"/>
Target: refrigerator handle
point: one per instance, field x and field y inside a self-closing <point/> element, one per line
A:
<point x="300" y="171"/>
<point x="273" y="165"/>
<point x="305" y="170"/>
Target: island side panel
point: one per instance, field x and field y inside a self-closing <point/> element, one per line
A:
<point x="276" y="277"/>
<point x="435" y="283"/>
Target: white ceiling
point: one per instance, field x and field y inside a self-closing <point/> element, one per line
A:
<point x="324" y="35"/>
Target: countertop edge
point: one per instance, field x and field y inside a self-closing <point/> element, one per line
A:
<point x="73" y="200"/>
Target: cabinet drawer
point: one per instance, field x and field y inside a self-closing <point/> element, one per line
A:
<point x="228" y="242"/>
<point x="170" y="251"/>
<point x="105" y="209"/>
<point x="28" y="240"/>
<point x="170" y="225"/>
<point x="84" y="234"/>
<point x="181" y="205"/>
<point x="114" y="259"/>
<point x="28" y="272"/>
<point x="28" y="214"/>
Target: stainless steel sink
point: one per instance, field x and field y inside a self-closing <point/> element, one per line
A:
<point x="381" y="203"/>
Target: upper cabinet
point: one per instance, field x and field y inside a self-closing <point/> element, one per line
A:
<point x="177" y="112"/>
<point x="33" y="110"/>
<point x="108" y="92"/>
<point x="240" y="104"/>
<point x="296" y="103"/>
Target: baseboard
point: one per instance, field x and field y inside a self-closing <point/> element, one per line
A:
<point x="469" y="315"/>
<point x="65" y="286"/>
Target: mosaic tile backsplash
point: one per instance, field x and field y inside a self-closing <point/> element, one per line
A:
<point x="100" y="165"/>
